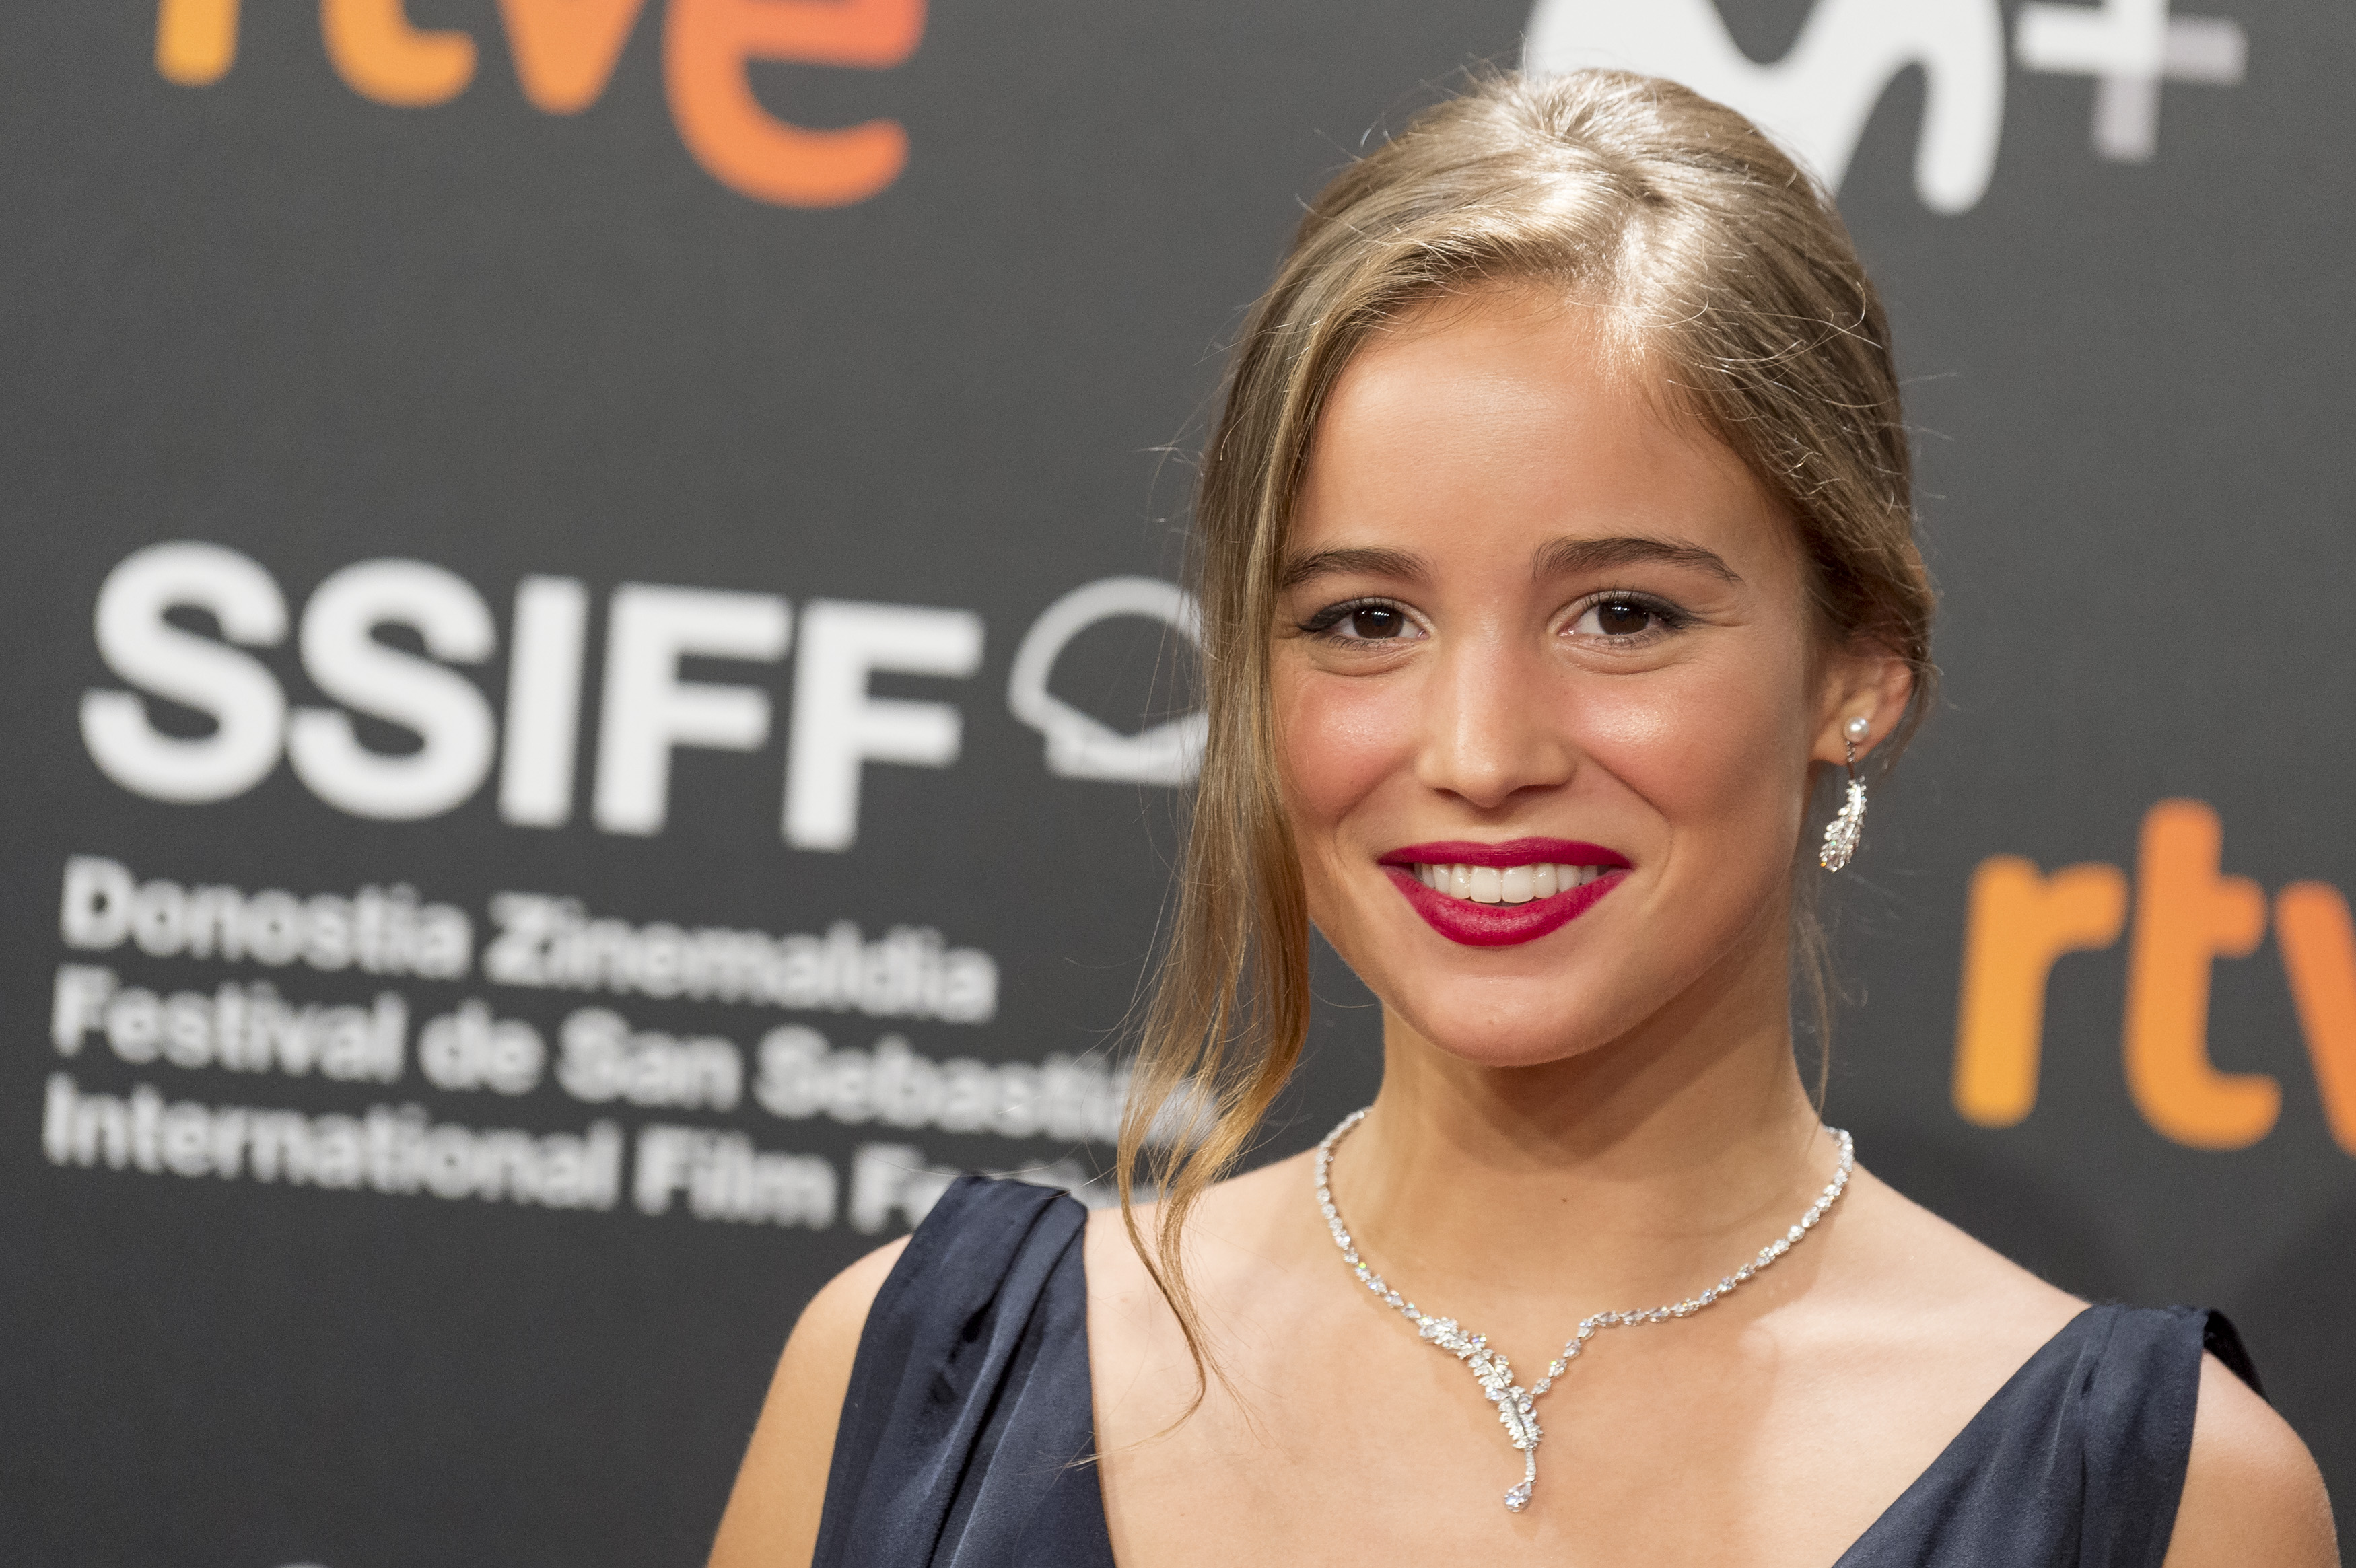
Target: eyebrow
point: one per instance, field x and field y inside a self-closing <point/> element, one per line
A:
<point x="1562" y="558"/>
<point x="1372" y="563"/>
<point x="1569" y="557"/>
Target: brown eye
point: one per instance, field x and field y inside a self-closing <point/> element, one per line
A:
<point x="1627" y="616"/>
<point x="1621" y="618"/>
<point x="1373" y="623"/>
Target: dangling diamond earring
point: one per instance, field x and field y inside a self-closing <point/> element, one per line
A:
<point x="1841" y="833"/>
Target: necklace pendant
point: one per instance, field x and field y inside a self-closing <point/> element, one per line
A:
<point x="1517" y="1412"/>
<point x="1516" y="1405"/>
<point x="1518" y="1497"/>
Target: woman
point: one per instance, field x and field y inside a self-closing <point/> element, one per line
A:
<point x="1556" y="546"/>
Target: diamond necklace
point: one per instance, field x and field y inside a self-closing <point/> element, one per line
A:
<point x="1516" y="1407"/>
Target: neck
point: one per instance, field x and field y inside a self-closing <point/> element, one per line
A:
<point x="1641" y="1169"/>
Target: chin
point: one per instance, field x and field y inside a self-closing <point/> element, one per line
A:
<point x="1487" y="1023"/>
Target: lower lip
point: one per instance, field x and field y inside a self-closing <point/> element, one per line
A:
<point x="1502" y="925"/>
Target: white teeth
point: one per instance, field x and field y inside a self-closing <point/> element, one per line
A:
<point x="1506" y="884"/>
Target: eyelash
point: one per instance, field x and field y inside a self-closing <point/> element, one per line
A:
<point x="1321" y="624"/>
<point x="1667" y="616"/>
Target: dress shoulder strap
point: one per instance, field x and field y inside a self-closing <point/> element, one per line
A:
<point x="2136" y="1401"/>
<point x="967" y="1436"/>
<point x="2077" y="1462"/>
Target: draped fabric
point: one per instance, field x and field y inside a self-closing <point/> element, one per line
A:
<point x="968" y="1436"/>
<point x="2078" y="1460"/>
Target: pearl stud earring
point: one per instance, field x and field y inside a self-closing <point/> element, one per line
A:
<point x="1841" y="832"/>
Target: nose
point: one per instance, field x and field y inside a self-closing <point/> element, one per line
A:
<point x="1492" y="726"/>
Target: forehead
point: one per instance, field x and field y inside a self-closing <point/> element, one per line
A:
<point x="1499" y="424"/>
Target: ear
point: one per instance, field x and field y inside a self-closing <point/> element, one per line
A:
<point x="1868" y="682"/>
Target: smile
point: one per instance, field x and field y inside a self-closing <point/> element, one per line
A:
<point x="1504" y="884"/>
<point x="1499" y="895"/>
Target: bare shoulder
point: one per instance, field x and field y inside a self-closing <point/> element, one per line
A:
<point x="773" y="1511"/>
<point x="1992" y="1298"/>
<point x="2252" y="1493"/>
<point x="1228" y="1227"/>
<point x="1144" y="1372"/>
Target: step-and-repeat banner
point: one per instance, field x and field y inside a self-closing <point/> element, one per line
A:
<point x="594" y="685"/>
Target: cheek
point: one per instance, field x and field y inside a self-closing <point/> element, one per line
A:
<point x="1709" y="746"/>
<point x="1337" y="741"/>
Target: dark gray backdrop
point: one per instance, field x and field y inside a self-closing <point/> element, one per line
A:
<point x="273" y="316"/>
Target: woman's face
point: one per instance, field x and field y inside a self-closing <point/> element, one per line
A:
<point x="1544" y="688"/>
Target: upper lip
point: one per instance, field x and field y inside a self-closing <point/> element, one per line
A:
<point x="1511" y="852"/>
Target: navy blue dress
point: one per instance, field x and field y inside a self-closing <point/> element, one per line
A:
<point x="968" y="1436"/>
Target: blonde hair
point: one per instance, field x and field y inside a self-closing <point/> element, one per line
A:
<point x="1730" y="273"/>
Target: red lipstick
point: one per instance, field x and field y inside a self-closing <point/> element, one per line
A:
<point x="1503" y="926"/>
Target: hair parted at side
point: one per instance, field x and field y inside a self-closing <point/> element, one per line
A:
<point x="1724" y="268"/>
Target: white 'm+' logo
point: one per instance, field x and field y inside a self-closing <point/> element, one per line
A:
<point x="1816" y="99"/>
<point x="2128" y="47"/>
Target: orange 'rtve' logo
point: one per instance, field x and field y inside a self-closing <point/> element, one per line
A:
<point x="2188" y="914"/>
<point x="565" y="53"/>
